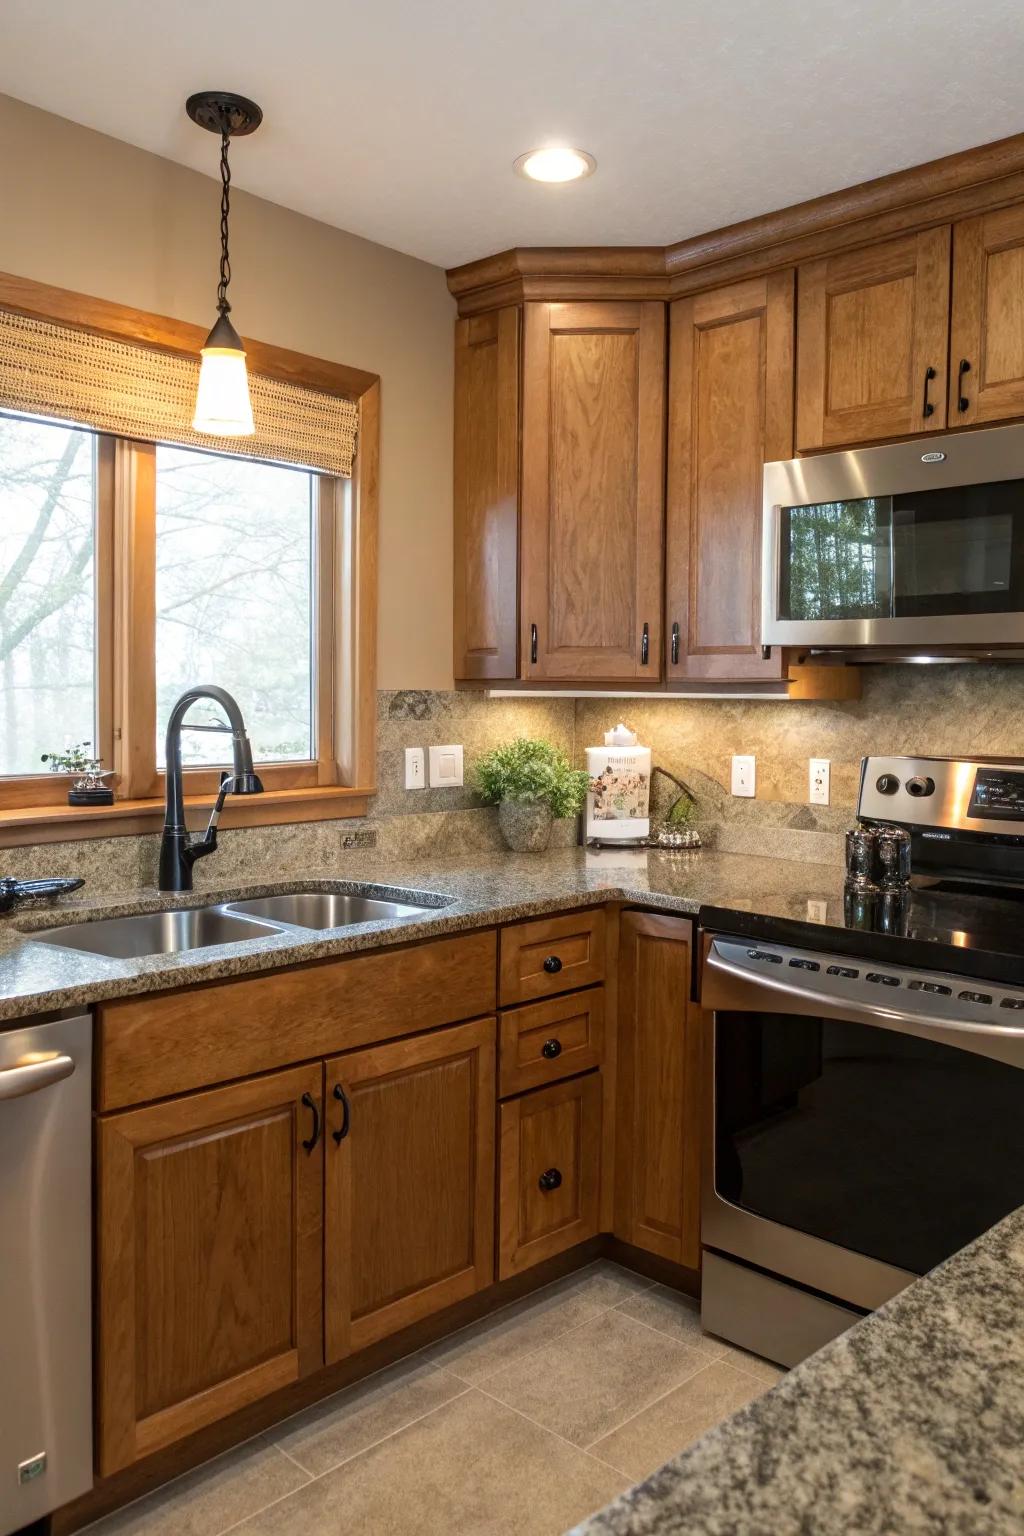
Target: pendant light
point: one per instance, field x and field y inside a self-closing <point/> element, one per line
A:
<point x="223" y="407"/>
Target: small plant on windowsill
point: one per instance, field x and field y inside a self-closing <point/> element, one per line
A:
<point x="88" y="788"/>
<point x="531" y="782"/>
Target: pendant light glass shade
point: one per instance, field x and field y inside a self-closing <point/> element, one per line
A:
<point x="223" y="406"/>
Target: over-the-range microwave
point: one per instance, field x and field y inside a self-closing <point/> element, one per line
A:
<point x="914" y="545"/>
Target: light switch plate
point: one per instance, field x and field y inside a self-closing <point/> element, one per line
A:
<point x="817" y="787"/>
<point x="743" y="776"/>
<point x="445" y="767"/>
<point x="415" y="771"/>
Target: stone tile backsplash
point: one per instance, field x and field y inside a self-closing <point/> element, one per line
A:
<point x="947" y="711"/>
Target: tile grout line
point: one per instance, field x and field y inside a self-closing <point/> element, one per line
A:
<point x="316" y="1477"/>
<point x="647" y="1406"/>
<point x="289" y="1457"/>
<point x="527" y="1354"/>
<point x="720" y="1359"/>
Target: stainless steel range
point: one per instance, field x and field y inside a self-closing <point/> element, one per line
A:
<point x="867" y="1108"/>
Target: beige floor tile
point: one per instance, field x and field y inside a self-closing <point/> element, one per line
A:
<point x="504" y="1339"/>
<point x="351" y="1421"/>
<point x="590" y="1380"/>
<point x="679" y="1317"/>
<point x="674" y="1422"/>
<point x="472" y="1468"/>
<point x="210" y="1499"/>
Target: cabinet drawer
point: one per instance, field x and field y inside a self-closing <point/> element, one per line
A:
<point x="544" y="1042"/>
<point x="552" y="954"/>
<point x="550" y="1175"/>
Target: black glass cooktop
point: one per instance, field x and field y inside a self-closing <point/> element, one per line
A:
<point x="969" y="930"/>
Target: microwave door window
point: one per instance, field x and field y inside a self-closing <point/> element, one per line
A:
<point x="837" y="560"/>
<point x="959" y="551"/>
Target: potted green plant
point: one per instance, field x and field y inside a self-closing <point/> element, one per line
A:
<point x="531" y="782"/>
<point x="88" y="788"/>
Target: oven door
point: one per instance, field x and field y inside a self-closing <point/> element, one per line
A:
<point x="856" y="1141"/>
<point x="917" y="543"/>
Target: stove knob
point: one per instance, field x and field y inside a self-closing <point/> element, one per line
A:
<point x="887" y="784"/>
<point x="920" y="787"/>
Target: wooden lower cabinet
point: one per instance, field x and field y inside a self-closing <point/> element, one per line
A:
<point x="659" y="1100"/>
<point x="409" y="1210"/>
<point x="209" y="1257"/>
<point x="550" y="1172"/>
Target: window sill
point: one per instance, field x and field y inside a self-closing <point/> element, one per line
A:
<point x="127" y="818"/>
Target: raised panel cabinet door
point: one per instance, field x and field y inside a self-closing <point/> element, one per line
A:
<point x="486" y="494"/>
<point x="730" y="412"/>
<point x="592" y="491"/>
<point x="210" y="1257"/>
<point x="872" y="342"/>
<point x="409" y="1183"/>
<point x="550" y="1172"/>
<point x="986" y="355"/>
<point x="659" y="1065"/>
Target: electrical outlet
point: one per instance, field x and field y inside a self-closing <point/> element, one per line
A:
<point x="818" y="777"/>
<point x="445" y="767"/>
<point x="415" y="772"/>
<point x="817" y="911"/>
<point x="743" y="776"/>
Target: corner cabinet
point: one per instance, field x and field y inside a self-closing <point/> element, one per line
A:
<point x="730" y="411"/>
<point x="559" y="493"/>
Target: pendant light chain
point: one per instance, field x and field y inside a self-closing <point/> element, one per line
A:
<point x="225" y="209"/>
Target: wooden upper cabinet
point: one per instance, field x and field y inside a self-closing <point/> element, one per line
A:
<point x="486" y="494"/>
<point x="592" y="491"/>
<point x="730" y="410"/>
<point x="410" y="1184"/>
<point x="872" y="335"/>
<point x="210" y="1255"/>
<point x="658" y="1133"/>
<point x="988" y="319"/>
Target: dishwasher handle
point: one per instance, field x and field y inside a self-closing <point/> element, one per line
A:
<point x="30" y="1076"/>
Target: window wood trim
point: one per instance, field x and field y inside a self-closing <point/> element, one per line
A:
<point x="343" y="775"/>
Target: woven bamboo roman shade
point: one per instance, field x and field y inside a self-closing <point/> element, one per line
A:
<point x="136" y="391"/>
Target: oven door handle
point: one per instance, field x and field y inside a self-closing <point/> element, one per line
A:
<point x="733" y="987"/>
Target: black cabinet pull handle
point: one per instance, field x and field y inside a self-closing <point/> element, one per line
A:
<point x="551" y="1049"/>
<point x="552" y="965"/>
<point x="310" y="1103"/>
<point x="339" y="1094"/>
<point x="533" y="642"/>
<point x="675" y="645"/>
<point x="928" y="408"/>
<point x="549" y="1180"/>
<point x="962" y="402"/>
<point x="645" y="646"/>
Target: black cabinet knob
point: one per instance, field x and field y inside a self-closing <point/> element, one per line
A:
<point x="549" y="1180"/>
<point x="551" y="1049"/>
<point x="887" y="784"/>
<point x="552" y="965"/>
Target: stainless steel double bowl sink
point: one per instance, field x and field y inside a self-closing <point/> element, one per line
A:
<point x="171" y="931"/>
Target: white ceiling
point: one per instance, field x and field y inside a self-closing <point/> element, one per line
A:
<point x="399" y="119"/>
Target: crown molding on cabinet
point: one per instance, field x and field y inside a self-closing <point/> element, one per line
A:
<point x="956" y="186"/>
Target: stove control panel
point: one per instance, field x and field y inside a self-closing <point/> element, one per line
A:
<point x="942" y="795"/>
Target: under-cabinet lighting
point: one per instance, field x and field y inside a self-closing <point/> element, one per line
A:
<point x="619" y="693"/>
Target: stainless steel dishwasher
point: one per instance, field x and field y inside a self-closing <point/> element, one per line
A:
<point x="45" y="1267"/>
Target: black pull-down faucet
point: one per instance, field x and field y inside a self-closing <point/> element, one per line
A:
<point x="178" y="851"/>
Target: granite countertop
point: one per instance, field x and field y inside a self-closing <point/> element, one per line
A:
<point x="752" y="895"/>
<point x="912" y="1422"/>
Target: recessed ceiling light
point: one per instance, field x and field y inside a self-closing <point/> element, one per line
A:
<point x="555" y="165"/>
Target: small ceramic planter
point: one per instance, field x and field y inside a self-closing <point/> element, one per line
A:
<point x="525" y="825"/>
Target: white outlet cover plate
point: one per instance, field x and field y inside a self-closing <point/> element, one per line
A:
<point x="743" y="776"/>
<point x="818" y="781"/>
<point x="445" y="767"/>
<point x="415" y="770"/>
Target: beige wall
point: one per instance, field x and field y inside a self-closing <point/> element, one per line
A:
<point x="86" y="212"/>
